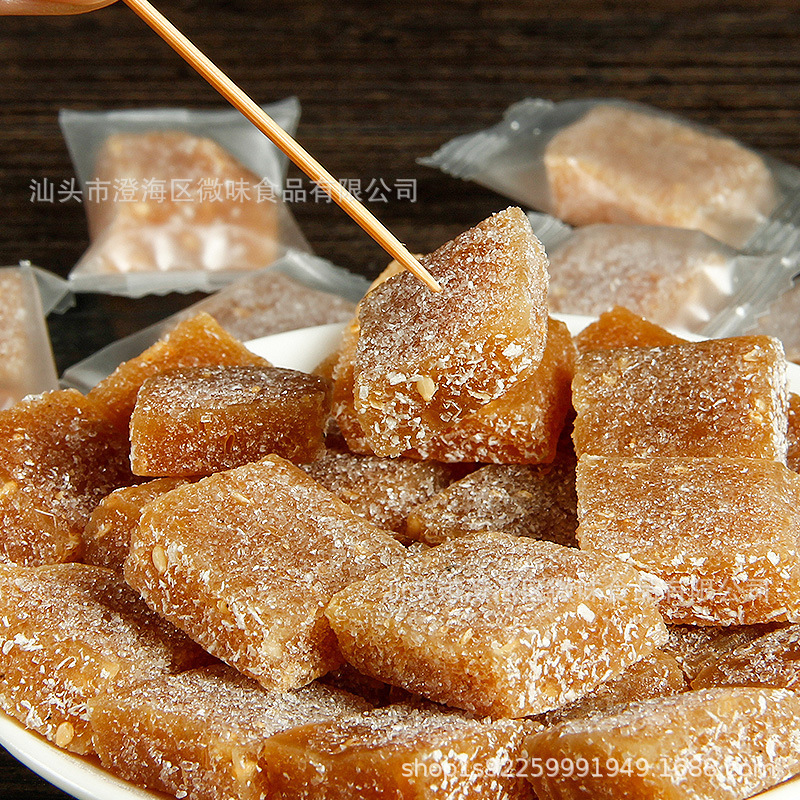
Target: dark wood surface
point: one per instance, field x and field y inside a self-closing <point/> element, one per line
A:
<point x="380" y="83"/>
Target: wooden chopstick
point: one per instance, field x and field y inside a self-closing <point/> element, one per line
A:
<point x="297" y="154"/>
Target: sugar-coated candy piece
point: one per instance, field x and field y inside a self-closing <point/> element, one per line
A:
<point x="196" y="342"/>
<point x="793" y="433"/>
<point x="768" y="660"/>
<point x="524" y="424"/>
<point x="205" y="734"/>
<point x="382" y="490"/>
<point x="498" y="625"/>
<point x="376" y="692"/>
<point x="207" y="419"/>
<point x="521" y="500"/>
<point x="426" y="359"/>
<point x="656" y="675"/>
<point x="69" y="632"/>
<point x="59" y="457"/>
<point x="695" y="647"/>
<point x="721" y="532"/>
<point x="620" y="327"/>
<point x="107" y="535"/>
<point x="725" y="744"/>
<point x="403" y="751"/>
<point x="621" y="164"/>
<point x="245" y="561"/>
<point x="720" y="397"/>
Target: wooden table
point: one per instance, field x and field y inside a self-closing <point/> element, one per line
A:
<point x="380" y="84"/>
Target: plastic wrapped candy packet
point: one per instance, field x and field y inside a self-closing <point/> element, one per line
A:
<point x="178" y="200"/>
<point x="590" y="161"/>
<point x="781" y="319"/>
<point x="27" y="295"/>
<point x="297" y="291"/>
<point x="678" y="278"/>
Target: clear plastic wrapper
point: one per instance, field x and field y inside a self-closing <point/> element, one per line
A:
<point x="178" y="200"/>
<point x="27" y="295"/>
<point x="781" y="318"/>
<point x="678" y="278"/>
<point x="297" y="291"/>
<point x="593" y="161"/>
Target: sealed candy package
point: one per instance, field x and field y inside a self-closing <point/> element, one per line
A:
<point x="593" y="161"/>
<point x="178" y="200"/>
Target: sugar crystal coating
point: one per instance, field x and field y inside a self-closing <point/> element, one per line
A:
<point x="793" y="433"/>
<point x="245" y="562"/>
<point x="768" y="660"/>
<point x="196" y="342"/>
<point x="205" y="734"/>
<point x="521" y="500"/>
<point x="498" y="625"/>
<point x="402" y="751"/>
<point x="426" y="359"/>
<point x="620" y="327"/>
<point x="721" y="532"/>
<point x="58" y="458"/>
<point x="620" y="164"/>
<point x="711" y="743"/>
<point x="382" y="490"/>
<point x="69" y="632"/>
<point x="207" y="419"/>
<point x="107" y="535"/>
<point x="720" y="397"/>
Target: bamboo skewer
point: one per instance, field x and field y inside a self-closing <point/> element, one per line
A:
<point x="297" y="154"/>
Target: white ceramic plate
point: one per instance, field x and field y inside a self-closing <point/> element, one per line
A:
<point x="81" y="777"/>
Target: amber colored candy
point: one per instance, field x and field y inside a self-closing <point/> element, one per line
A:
<point x="378" y="693"/>
<point x="408" y="752"/>
<point x="498" y="625"/>
<point x="205" y="734"/>
<point x="245" y="562"/>
<point x="772" y="659"/>
<point x="521" y="500"/>
<point x="620" y="164"/>
<point x="69" y="632"/>
<point x="721" y="532"/>
<point x="196" y="342"/>
<point x="58" y="458"/>
<point x="207" y="419"/>
<point x="195" y="226"/>
<point x="524" y="424"/>
<point x="720" y="397"/>
<point x="620" y="327"/>
<point x="656" y="675"/>
<point x="793" y="433"/>
<point x="382" y="490"/>
<point x="711" y="743"/>
<point x="107" y="535"/>
<point x="425" y="360"/>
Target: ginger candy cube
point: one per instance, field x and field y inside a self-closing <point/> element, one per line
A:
<point x="401" y="751"/>
<point x="425" y="360"/>
<point x="720" y="397"/>
<point x="205" y="734"/>
<point x="208" y="419"/>
<point x="245" y="561"/>
<point x="58" y="458"/>
<point x="69" y="632"/>
<point x="498" y="625"/>
<point x="711" y="743"/>
<point x="620" y="327"/>
<point x="721" y="532"/>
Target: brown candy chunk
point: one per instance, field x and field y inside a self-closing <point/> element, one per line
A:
<point x="712" y="743"/>
<point x="425" y="360"/>
<point x="245" y="562"/>
<point x="207" y="419"/>
<point x="721" y="532"/>
<point x="205" y="734"/>
<point x="58" y="458"/>
<point x="498" y="625"/>
<point x="620" y="327"/>
<point x="720" y="397"/>
<point x="793" y="433"/>
<point x="69" y="632"/>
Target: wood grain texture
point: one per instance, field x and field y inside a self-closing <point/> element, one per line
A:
<point x="380" y="83"/>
